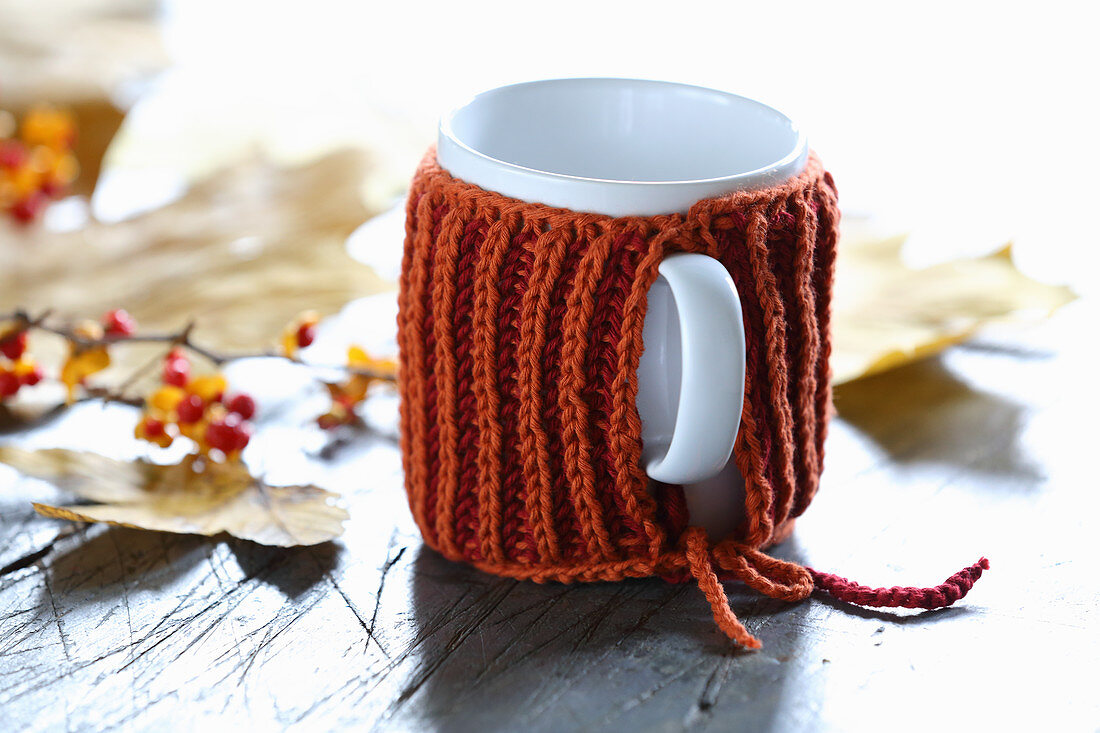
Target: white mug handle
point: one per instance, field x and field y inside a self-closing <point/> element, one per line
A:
<point x="691" y="377"/>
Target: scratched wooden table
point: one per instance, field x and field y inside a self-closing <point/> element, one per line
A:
<point x="987" y="449"/>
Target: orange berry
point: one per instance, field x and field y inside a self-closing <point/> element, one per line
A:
<point x="43" y="159"/>
<point x="63" y="172"/>
<point x="192" y="430"/>
<point x="167" y="398"/>
<point x="24" y="181"/>
<point x="49" y="126"/>
<point x="210" y="387"/>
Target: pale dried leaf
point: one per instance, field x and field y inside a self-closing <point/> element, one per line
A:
<point x="242" y="252"/>
<point x="90" y="476"/>
<point x="178" y="498"/>
<point x="886" y="314"/>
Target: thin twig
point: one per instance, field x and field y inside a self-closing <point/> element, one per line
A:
<point x="102" y="394"/>
<point x="182" y="339"/>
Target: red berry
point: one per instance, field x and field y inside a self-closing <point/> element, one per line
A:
<point x="53" y="189"/>
<point x="152" y="427"/>
<point x="14" y="345"/>
<point x="119" y="323"/>
<point x="243" y="435"/>
<point x="306" y="333"/>
<point x="219" y="436"/>
<point x="33" y="377"/>
<point x="27" y="208"/>
<point x="228" y="434"/>
<point x="243" y="405"/>
<point x="9" y="384"/>
<point x="176" y="371"/>
<point x="190" y="409"/>
<point x="13" y="154"/>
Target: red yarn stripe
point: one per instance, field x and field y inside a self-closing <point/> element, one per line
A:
<point x="430" y="444"/>
<point x="600" y="364"/>
<point x="566" y="521"/>
<point x="467" y="510"/>
<point x="515" y="533"/>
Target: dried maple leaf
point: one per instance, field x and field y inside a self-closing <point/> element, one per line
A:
<point x="182" y="499"/>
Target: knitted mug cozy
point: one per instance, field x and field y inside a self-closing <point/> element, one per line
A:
<point x="520" y="333"/>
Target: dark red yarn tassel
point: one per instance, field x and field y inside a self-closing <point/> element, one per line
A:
<point x="951" y="590"/>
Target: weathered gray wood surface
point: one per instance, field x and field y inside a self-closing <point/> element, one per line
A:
<point x="986" y="450"/>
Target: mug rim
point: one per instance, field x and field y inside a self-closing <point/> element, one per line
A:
<point x="611" y="196"/>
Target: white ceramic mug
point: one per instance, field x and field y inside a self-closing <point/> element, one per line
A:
<point x="625" y="147"/>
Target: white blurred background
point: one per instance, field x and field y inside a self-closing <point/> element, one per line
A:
<point x="967" y="124"/>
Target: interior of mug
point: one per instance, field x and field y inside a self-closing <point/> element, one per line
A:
<point x="625" y="130"/>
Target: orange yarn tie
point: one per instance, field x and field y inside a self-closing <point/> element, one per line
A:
<point x="698" y="556"/>
<point x="765" y="574"/>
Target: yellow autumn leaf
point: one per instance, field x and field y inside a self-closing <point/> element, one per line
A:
<point x="345" y="395"/>
<point x="886" y="314"/>
<point x="221" y="497"/>
<point x="358" y="358"/>
<point x="166" y="398"/>
<point x="351" y="391"/>
<point x="288" y="344"/>
<point x="81" y="364"/>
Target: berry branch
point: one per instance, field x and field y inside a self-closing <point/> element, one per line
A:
<point x="20" y="321"/>
<point x="37" y="164"/>
<point x="195" y="406"/>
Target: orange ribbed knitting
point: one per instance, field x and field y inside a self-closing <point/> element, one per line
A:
<point x="520" y="332"/>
